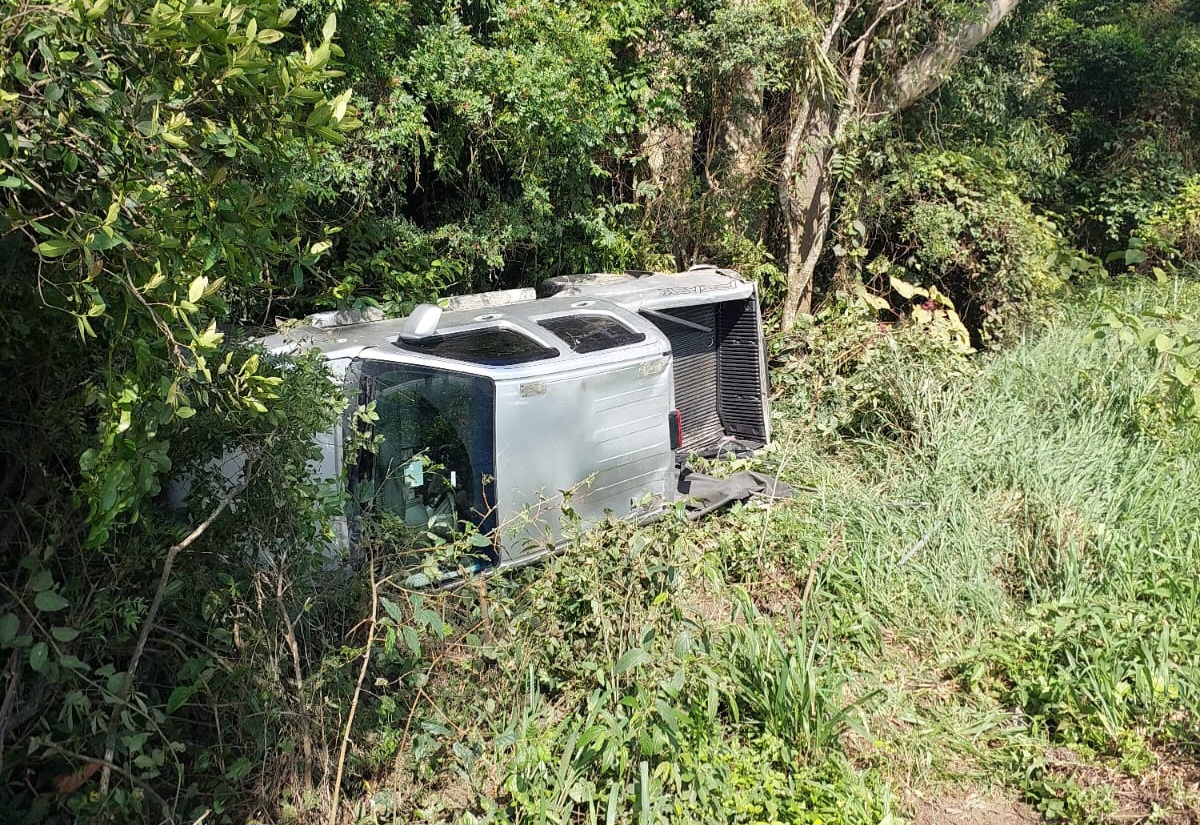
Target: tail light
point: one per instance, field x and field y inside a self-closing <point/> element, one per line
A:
<point x="675" y="426"/>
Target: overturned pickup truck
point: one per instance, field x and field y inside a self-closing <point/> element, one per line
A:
<point x="494" y="408"/>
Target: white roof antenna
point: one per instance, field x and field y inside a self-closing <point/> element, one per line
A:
<point x="422" y="323"/>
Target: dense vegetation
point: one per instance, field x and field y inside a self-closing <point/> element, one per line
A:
<point x="977" y="225"/>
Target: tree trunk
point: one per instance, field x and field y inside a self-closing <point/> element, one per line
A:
<point x="805" y="199"/>
<point x="929" y="70"/>
<point x="668" y="152"/>
<point x="742" y="126"/>
<point x="805" y="177"/>
<point x="741" y="131"/>
<point x="734" y="162"/>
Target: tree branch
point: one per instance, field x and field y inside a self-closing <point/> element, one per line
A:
<point x="110" y="739"/>
<point x="840" y="10"/>
<point x="362" y="674"/>
<point x="928" y="70"/>
<point x="860" y="47"/>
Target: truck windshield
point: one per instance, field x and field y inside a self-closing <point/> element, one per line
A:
<point x="435" y="463"/>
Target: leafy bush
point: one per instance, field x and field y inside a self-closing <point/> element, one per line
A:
<point x="494" y="148"/>
<point x="1127" y="76"/>
<point x="949" y="220"/>
<point x="1171" y="232"/>
<point x="147" y="195"/>
<point x="1172" y="342"/>
<point x="718" y="739"/>
<point x="855" y="372"/>
<point x="152" y="168"/>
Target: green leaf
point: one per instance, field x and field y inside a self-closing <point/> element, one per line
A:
<point x="339" y="105"/>
<point x="196" y="288"/>
<point x="104" y="241"/>
<point x="392" y="609"/>
<point x="48" y="601"/>
<point x="633" y="658"/>
<point x="9" y="625"/>
<point x="239" y="769"/>
<point x="54" y="248"/>
<point x="179" y="697"/>
<point x="330" y="27"/>
<point x="427" y="618"/>
<point x="11" y="182"/>
<point x="39" y="654"/>
<point x="411" y="639"/>
<point x="211" y="336"/>
<point x="906" y="290"/>
<point x="64" y="634"/>
<point x="672" y="717"/>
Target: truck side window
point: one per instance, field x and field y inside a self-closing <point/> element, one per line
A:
<point x="591" y="333"/>
<point x="435" y="465"/>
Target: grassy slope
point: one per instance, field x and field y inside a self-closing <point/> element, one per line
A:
<point x="998" y="588"/>
<point x="1046" y="595"/>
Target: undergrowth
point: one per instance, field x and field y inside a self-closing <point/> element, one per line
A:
<point x="987" y="578"/>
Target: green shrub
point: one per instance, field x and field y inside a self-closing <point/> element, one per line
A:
<point x="1171" y="232"/>
<point x="147" y="194"/>
<point x="956" y="223"/>
<point x="855" y="372"/>
<point x="741" y="725"/>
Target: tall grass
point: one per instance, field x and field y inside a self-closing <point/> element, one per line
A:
<point x="1033" y="526"/>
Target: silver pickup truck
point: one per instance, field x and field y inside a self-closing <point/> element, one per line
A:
<point x="496" y="406"/>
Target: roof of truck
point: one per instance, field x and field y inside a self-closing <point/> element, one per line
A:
<point x="462" y="336"/>
<point x="618" y="295"/>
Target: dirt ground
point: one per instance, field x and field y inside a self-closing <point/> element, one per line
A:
<point x="971" y="809"/>
<point x="1167" y="792"/>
